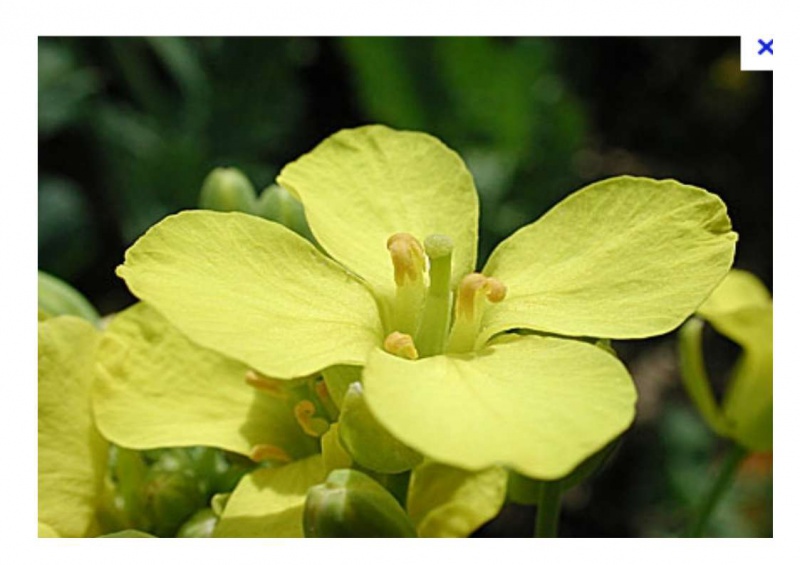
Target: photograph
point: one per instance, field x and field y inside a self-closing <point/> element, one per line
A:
<point x="373" y="286"/>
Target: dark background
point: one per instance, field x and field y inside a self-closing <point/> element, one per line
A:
<point x="129" y="127"/>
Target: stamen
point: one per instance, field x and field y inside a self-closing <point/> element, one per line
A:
<point x="473" y="293"/>
<point x="268" y="452"/>
<point x="436" y="315"/>
<point x="273" y="387"/>
<point x="408" y="259"/>
<point x="320" y="389"/>
<point x="401" y="345"/>
<point x="303" y="413"/>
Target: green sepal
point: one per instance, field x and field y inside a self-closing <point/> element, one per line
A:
<point x="367" y="441"/>
<point x="200" y="525"/>
<point x="228" y="190"/>
<point x="524" y="490"/>
<point x="57" y="298"/>
<point x="351" y="504"/>
<point x="338" y="379"/>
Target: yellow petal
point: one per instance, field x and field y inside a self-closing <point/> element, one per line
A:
<point x="444" y="501"/>
<point x="158" y="389"/>
<point x="623" y="258"/>
<point x="72" y="455"/>
<point x="269" y="502"/>
<point x="361" y="186"/>
<point x="253" y="290"/>
<point x="538" y="405"/>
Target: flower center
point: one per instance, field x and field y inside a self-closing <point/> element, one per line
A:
<point x="421" y="317"/>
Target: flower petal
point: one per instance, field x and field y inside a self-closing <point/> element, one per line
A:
<point x="444" y="501"/>
<point x="740" y="291"/>
<point x="538" y="405"/>
<point x="46" y="531"/>
<point x="269" y="502"/>
<point x="362" y="185"/>
<point x="740" y="308"/>
<point x="253" y="290"/>
<point x="72" y="455"/>
<point x="623" y="258"/>
<point x="158" y="389"/>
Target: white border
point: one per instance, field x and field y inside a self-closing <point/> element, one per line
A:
<point x="22" y="22"/>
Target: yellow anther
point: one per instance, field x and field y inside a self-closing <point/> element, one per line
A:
<point x="469" y="290"/>
<point x="304" y="414"/>
<point x="474" y="291"/>
<point x="273" y="387"/>
<point x="267" y="452"/>
<point x="408" y="258"/>
<point x="495" y="290"/>
<point x="402" y="345"/>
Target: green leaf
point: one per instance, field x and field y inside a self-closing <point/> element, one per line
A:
<point x="158" y="389"/>
<point x="253" y="290"/>
<point x="362" y="185"/>
<point x="538" y="405"/>
<point x="269" y="502"/>
<point x="72" y="455"/>
<point x="444" y="501"/>
<point x="623" y="258"/>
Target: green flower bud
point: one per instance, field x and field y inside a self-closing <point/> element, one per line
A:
<point x="351" y="504"/>
<point x="228" y="190"/>
<point x="276" y="204"/>
<point x="57" y="298"/>
<point x="170" y="498"/>
<point x="200" y="525"/>
<point x="367" y="441"/>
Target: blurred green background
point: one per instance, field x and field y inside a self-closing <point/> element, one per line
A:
<point x="129" y="127"/>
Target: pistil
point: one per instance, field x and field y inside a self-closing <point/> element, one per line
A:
<point x="436" y="314"/>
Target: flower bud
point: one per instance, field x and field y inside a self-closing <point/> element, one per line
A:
<point x="228" y="190"/>
<point x="278" y="205"/>
<point x="200" y="525"/>
<point x="170" y="498"/>
<point x="367" y="441"/>
<point x="351" y="504"/>
<point x="57" y="298"/>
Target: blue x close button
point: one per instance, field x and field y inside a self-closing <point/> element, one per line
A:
<point x="766" y="47"/>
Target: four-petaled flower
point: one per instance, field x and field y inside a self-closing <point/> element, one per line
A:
<point x="470" y="369"/>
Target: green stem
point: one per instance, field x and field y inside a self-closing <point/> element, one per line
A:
<point x="721" y="484"/>
<point x="548" y="510"/>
